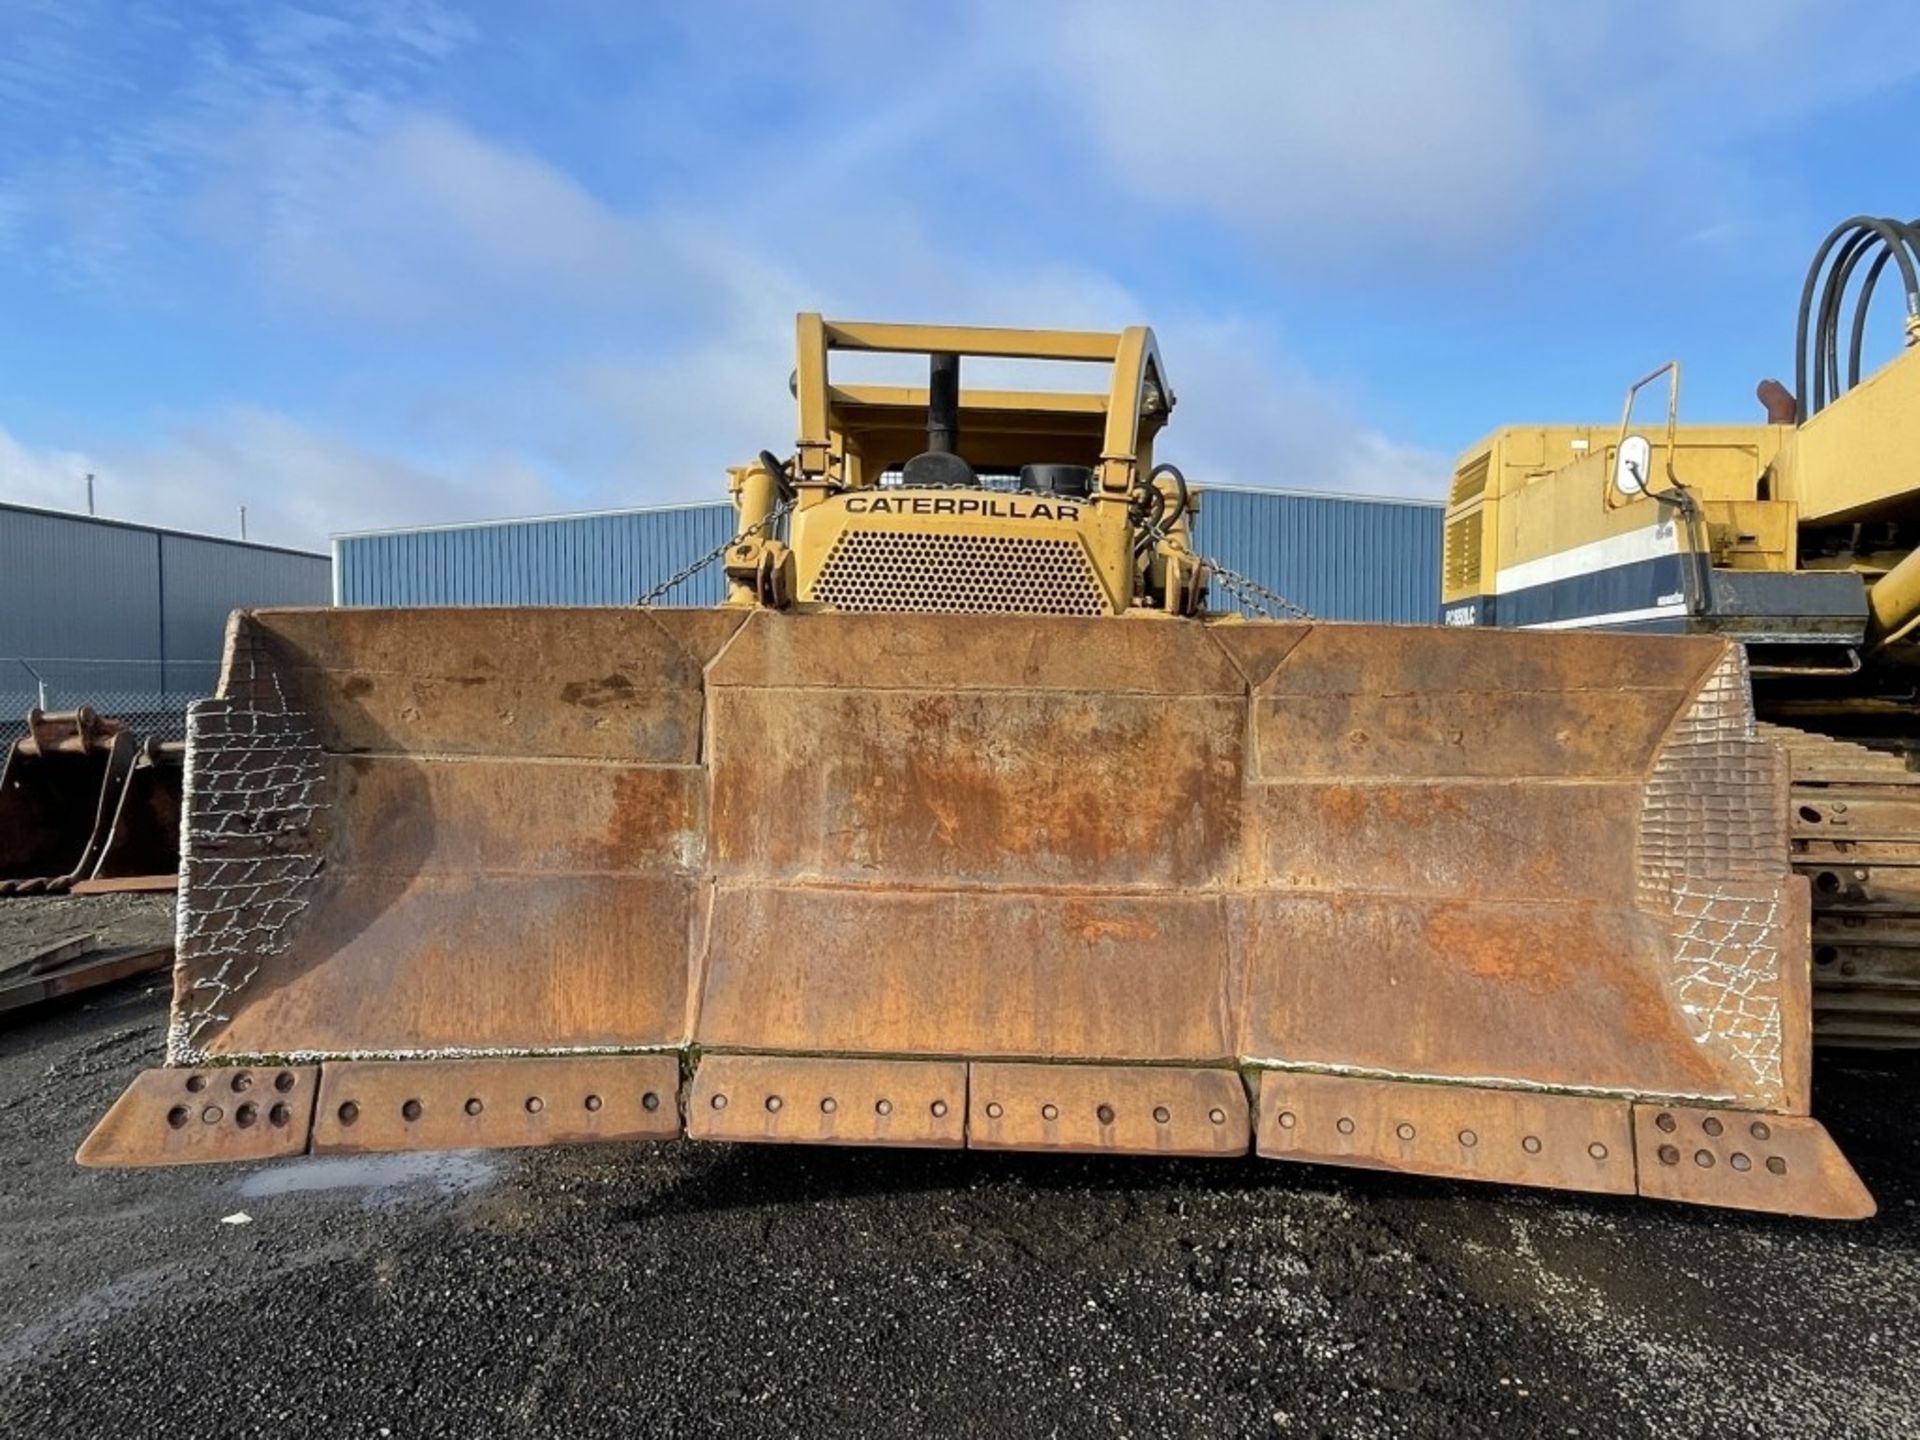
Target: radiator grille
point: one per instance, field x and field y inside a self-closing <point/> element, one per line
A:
<point x="992" y="574"/>
<point x="1471" y="478"/>
<point x="1462" y="563"/>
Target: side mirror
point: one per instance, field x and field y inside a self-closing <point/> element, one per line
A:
<point x="1631" y="465"/>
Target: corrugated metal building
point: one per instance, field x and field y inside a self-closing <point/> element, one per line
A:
<point x="1341" y="557"/>
<point x="608" y="557"/>
<point x="126" y="617"/>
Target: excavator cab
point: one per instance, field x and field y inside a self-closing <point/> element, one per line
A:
<point x="1798" y="539"/>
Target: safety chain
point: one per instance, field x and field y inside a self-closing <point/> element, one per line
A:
<point x="1251" y="594"/>
<point x="1247" y="592"/>
<point x="687" y="572"/>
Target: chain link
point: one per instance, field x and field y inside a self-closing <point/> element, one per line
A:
<point x="688" y="571"/>
<point x="1250" y="594"/>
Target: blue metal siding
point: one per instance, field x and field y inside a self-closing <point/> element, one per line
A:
<point x="608" y="559"/>
<point x="1339" y="557"/>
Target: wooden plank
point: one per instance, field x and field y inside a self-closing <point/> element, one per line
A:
<point x="126" y="885"/>
<point x="100" y="967"/>
<point x="48" y="956"/>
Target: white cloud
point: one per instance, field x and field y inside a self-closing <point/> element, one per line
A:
<point x="1329" y="128"/>
<point x="686" y="375"/>
<point x="420" y="224"/>
<point x="659" y="422"/>
<point x="635" y="343"/>
<point x="298" y="483"/>
<point x="1249" y="414"/>
<point x="1424" y="133"/>
<point x="117" y="114"/>
<point x="55" y="479"/>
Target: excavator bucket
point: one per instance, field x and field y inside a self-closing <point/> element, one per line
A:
<point x="140" y="848"/>
<point x="1495" y="905"/>
<point x="60" y="788"/>
<point x="83" y="803"/>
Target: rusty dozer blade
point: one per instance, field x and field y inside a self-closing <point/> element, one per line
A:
<point x="1490" y="904"/>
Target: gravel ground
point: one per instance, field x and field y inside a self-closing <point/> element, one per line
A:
<point x="697" y="1290"/>
<point x="33" y="922"/>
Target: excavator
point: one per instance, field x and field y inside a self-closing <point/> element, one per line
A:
<point x="1798" y="539"/>
<point x="968" y="821"/>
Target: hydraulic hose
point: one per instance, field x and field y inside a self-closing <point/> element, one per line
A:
<point x="1824" y="303"/>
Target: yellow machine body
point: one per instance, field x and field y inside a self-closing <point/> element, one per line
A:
<point x="864" y="537"/>
<point x="1800" y="540"/>
<point x="1535" y="505"/>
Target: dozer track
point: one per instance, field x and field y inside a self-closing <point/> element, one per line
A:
<point x="1855" y="833"/>
<point x="1491" y="905"/>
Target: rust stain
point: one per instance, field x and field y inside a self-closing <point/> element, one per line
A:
<point x="1530" y="957"/>
<point x="638" y="803"/>
<point x="1347" y="808"/>
<point x="944" y="807"/>
<point x="1031" y="843"/>
<point x="1094" y="924"/>
<point x="614" y="689"/>
<point x="930" y="713"/>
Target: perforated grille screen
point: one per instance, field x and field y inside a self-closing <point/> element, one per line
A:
<point x="994" y="574"/>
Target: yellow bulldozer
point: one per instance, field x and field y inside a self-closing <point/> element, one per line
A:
<point x="1798" y="539"/>
<point x="966" y="822"/>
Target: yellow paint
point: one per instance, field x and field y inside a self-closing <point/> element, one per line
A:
<point x="850" y="434"/>
<point x="1528" y="492"/>
<point x="1857" y="458"/>
<point x="1549" y="488"/>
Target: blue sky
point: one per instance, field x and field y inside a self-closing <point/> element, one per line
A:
<point x="357" y="265"/>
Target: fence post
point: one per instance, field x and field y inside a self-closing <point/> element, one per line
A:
<point x="39" y="681"/>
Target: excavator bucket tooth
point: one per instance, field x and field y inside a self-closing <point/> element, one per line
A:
<point x="1347" y="894"/>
